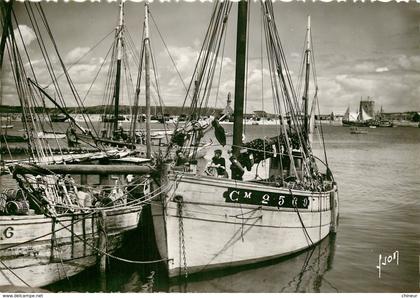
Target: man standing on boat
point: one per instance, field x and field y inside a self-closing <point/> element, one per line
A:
<point x="219" y="163"/>
<point x="181" y="160"/>
<point x="236" y="168"/>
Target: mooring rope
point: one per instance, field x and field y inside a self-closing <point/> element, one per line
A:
<point x="119" y="258"/>
<point x="14" y="273"/>
<point x="305" y="231"/>
<point x="48" y="234"/>
<point x="241" y="215"/>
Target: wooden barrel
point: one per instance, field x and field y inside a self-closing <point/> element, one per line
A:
<point x="17" y="207"/>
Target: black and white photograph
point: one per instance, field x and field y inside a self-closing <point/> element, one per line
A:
<point x="209" y="147"/>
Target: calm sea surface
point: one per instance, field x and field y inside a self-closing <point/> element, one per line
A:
<point x="378" y="176"/>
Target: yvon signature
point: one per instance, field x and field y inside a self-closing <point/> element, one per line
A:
<point x="386" y="260"/>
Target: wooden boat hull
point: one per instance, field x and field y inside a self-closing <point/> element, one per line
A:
<point x="42" y="251"/>
<point x="227" y="223"/>
<point x="50" y="135"/>
<point x="58" y="118"/>
<point x="385" y="124"/>
<point x="12" y="138"/>
<point x="300" y="273"/>
<point x="356" y="123"/>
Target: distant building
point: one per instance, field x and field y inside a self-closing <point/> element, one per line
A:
<point x="368" y="106"/>
<point x="329" y="117"/>
<point x="228" y="109"/>
<point x="260" y="114"/>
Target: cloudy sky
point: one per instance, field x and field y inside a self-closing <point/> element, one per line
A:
<point x="363" y="49"/>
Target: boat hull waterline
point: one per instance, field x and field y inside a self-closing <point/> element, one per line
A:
<point x="219" y="229"/>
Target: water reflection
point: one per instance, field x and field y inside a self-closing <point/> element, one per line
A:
<point x="303" y="272"/>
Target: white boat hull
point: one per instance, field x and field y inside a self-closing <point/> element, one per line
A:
<point x="41" y="252"/>
<point x="219" y="232"/>
<point x="50" y="135"/>
<point x="301" y="273"/>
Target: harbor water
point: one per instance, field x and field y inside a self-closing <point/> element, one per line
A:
<point x="376" y="248"/>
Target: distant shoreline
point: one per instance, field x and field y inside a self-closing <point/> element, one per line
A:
<point x="397" y="123"/>
<point x="172" y="110"/>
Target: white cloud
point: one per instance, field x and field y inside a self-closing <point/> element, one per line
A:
<point x="28" y="35"/>
<point x="364" y="66"/>
<point x="76" y="54"/>
<point x="408" y="63"/>
<point x="295" y="55"/>
<point x="197" y="43"/>
<point x="382" y="69"/>
<point x="395" y="86"/>
<point x="185" y="59"/>
<point x="357" y="83"/>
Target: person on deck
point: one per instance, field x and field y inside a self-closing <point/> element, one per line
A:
<point x="236" y="168"/>
<point x="219" y="163"/>
<point x="72" y="139"/>
<point x="181" y="160"/>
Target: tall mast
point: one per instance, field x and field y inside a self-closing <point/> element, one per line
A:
<point x="147" y="69"/>
<point x="120" y="30"/>
<point x="6" y="9"/>
<point x="307" y="72"/>
<point x="239" y="76"/>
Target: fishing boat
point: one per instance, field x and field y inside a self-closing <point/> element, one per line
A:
<point x="361" y="119"/>
<point x="67" y="234"/>
<point x="302" y="273"/>
<point x="385" y="123"/>
<point x="6" y="137"/>
<point x="110" y="118"/>
<point x="365" y="116"/>
<point x="349" y="117"/>
<point x="66" y="213"/>
<point x="50" y="135"/>
<point x="381" y="121"/>
<point x="211" y="222"/>
<point x="8" y="123"/>
<point x="58" y="117"/>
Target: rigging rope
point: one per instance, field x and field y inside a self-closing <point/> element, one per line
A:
<point x="91" y="49"/>
<point x="97" y="74"/>
<point x="305" y="231"/>
<point x="220" y="69"/>
<point x="161" y="103"/>
<point x="169" y="53"/>
<point x="17" y="276"/>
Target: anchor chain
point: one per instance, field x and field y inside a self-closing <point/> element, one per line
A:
<point x="178" y="199"/>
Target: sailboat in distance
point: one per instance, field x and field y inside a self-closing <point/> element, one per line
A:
<point x="365" y="116"/>
<point x="208" y="222"/>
